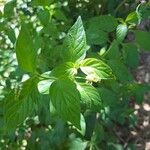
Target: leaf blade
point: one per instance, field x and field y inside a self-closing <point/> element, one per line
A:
<point x="26" y="55"/>
<point x="66" y="102"/>
<point x="75" y="42"/>
<point x="97" y="69"/>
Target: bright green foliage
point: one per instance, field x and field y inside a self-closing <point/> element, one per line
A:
<point x="9" y="8"/>
<point x="66" y="100"/>
<point x="132" y="18"/>
<point x="26" y="55"/>
<point x="65" y="69"/>
<point x="43" y="86"/>
<point x="77" y="143"/>
<point x="66" y="91"/>
<point x="121" y="32"/>
<point x="75" y="42"/>
<point x="96" y="70"/>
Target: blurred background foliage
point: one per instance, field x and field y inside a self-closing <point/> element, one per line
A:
<point x="48" y="21"/>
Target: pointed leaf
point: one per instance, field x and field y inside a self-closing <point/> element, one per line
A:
<point x="26" y="55"/>
<point x="96" y="69"/>
<point x="75" y="42"/>
<point x="89" y="96"/>
<point x="132" y="18"/>
<point x="65" y="98"/>
<point x="113" y="51"/>
<point x="121" y="32"/>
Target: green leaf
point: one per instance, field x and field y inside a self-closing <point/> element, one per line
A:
<point x="96" y="36"/>
<point x="114" y="146"/>
<point x="46" y="80"/>
<point x="66" y="99"/>
<point x="1" y="117"/>
<point x="113" y="51"/>
<point x="89" y="96"/>
<point x="132" y="18"/>
<point x="9" y="8"/>
<point x="41" y="2"/>
<point x="143" y="12"/>
<point x="75" y="42"/>
<point x="142" y="38"/>
<point x="44" y="85"/>
<point x="96" y="69"/>
<point x="120" y="70"/>
<point x="131" y="55"/>
<point x="138" y="90"/>
<point x="76" y="143"/>
<point x="108" y="97"/>
<point x="44" y="16"/>
<point x="59" y="14"/>
<point x="18" y="106"/>
<point x="26" y="55"/>
<point x="121" y="32"/>
<point x="65" y="69"/>
<point x="50" y="28"/>
<point x="106" y="23"/>
<point x="11" y="34"/>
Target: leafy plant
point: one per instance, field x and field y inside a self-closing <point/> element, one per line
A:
<point x="70" y="82"/>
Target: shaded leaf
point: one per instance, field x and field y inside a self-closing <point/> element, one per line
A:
<point x="131" y="55"/>
<point x="106" y="23"/>
<point x="18" y="106"/>
<point x="41" y="2"/>
<point x="26" y="55"/>
<point x="65" y="98"/>
<point x="96" y="37"/>
<point x="120" y="70"/>
<point x="142" y="39"/>
<point x="113" y="51"/>
<point x="89" y="96"/>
